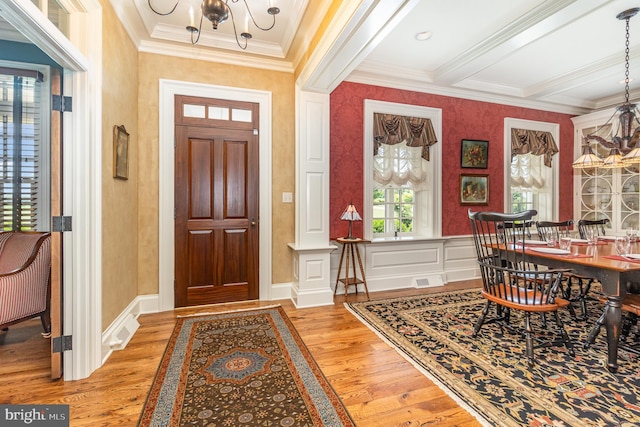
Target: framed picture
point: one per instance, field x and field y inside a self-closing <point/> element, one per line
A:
<point x="120" y="152"/>
<point x="474" y="154"/>
<point x="474" y="189"/>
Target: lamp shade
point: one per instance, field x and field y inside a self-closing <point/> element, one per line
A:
<point x="350" y="214"/>
<point x="587" y="159"/>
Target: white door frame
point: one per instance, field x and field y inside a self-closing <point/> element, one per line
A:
<point x="81" y="58"/>
<point x="166" y="203"/>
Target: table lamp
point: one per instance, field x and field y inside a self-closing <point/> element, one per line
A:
<point x="350" y="214"/>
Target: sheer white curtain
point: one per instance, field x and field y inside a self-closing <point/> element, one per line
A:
<point x="528" y="172"/>
<point x="400" y="165"/>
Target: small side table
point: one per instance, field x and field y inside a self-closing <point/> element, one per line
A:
<point x="350" y="248"/>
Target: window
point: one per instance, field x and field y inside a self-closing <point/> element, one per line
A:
<point x="56" y="13"/>
<point x="531" y="183"/>
<point x="393" y="211"/>
<point x="402" y="190"/>
<point x="24" y="150"/>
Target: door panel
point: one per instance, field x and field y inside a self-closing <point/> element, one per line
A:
<point x="216" y="236"/>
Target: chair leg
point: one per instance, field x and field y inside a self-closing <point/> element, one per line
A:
<point x="582" y="297"/>
<point x="565" y="336"/>
<point x="45" y="319"/>
<point x="593" y="334"/>
<point x="483" y="316"/>
<point x="566" y="294"/>
<point x="528" y="333"/>
<point x="543" y="319"/>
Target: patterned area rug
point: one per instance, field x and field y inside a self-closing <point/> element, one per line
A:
<point x="240" y="368"/>
<point x="489" y="376"/>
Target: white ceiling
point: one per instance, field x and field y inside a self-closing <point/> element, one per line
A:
<point x="561" y="52"/>
<point x="561" y="55"/>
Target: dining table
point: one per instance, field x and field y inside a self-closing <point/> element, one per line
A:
<point x="600" y="261"/>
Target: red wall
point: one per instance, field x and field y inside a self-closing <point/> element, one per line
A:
<point x="461" y="119"/>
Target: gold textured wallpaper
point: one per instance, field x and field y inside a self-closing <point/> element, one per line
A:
<point x="119" y="197"/>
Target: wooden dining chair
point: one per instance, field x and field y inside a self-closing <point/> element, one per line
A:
<point x="630" y="305"/>
<point x="570" y="281"/>
<point x="521" y="229"/>
<point x="511" y="283"/>
<point x="599" y="225"/>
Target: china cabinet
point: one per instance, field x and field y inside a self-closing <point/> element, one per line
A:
<point x="604" y="193"/>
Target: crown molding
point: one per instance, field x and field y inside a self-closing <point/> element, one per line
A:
<point x="192" y="52"/>
<point x="404" y="82"/>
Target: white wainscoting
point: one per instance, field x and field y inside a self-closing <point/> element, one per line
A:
<point x="398" y="264"/>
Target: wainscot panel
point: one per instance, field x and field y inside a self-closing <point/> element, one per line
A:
<point x="397" y="264"/>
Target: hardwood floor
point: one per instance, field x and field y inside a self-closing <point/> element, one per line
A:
<point x="376" y="384"/>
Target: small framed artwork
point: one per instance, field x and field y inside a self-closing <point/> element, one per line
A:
<point x="474" y="189"/>
<point x="120" y="152"/>
<point x="474" y="154"/>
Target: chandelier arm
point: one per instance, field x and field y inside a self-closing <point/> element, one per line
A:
<point x="199" y="32"/>
<point x="235" y="32"/>
<point x="253" y="19"/>
<point x="601" y="141"/>
<point x="161" y="13"/>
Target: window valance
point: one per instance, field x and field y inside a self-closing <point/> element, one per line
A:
<point x="391" y="129"/>
<point x="538" y="143"/>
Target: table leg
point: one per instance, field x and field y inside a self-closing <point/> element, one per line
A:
<point x="364" y="279"/>
<point x="339" y="269"/>
<point x="353" y="266"/>
<point x="613" y="322"/>
<point x="347" y="279"/>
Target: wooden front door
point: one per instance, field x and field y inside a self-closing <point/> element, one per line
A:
<point x="216" y="201"/>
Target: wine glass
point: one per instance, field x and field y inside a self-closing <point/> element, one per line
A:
<point x="551" y="238"/>
<point x="622" y="245"/>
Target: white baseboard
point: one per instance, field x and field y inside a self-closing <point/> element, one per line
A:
<point x="281" y="291"/>
<point x="118" y="334"/>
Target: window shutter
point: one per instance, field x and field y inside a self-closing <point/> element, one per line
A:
<point x="20" y="148"/>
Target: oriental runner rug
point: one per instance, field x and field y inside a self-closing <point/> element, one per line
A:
<point x="489" y="376"/>
<point x="241" y="368"/>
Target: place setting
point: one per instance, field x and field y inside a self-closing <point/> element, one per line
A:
<point x="623" y="246"/>
<point x="559" y="245"/>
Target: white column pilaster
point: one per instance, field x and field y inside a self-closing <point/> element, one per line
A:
<point x="311" y="264"/>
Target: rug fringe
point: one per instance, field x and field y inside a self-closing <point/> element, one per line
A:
<point x="423" y="371"/>
<point x="209" y="313"/>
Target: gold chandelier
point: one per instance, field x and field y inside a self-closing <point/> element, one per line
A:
<point x="218" y="11"/>
<point x="624" y="149"/>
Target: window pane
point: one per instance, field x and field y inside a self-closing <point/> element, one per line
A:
<point x="20" y="139"/>
<point x="393" y="211"/>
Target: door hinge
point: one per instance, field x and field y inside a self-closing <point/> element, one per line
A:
<point x="61" y="223"/>
<point x="61" y="103"/>
<point x="62" y="343"/>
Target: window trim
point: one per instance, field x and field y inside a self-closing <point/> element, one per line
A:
<point x="554" y="129"/>
<point x="433" y="227"/>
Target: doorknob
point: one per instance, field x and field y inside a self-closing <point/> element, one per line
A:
<point x="253" y="221"/>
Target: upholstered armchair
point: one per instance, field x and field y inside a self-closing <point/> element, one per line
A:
<point x="25" y="271"/>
